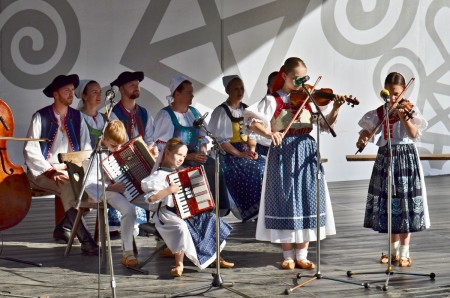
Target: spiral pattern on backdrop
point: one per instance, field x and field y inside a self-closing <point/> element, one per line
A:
<point x="382" y="23"/>
<point x="41" y="40"/>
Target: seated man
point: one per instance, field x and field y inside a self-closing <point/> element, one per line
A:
<point x="66" y="131"/>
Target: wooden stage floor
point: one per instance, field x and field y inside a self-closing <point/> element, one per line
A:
<point x="257" y="272"/>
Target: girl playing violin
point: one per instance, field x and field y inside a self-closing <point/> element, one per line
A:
<point x="193" y="237"/>
<point x="409" y="201"/>
<point x="287" y="213"/>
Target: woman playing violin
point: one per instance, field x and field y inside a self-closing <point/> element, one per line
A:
<point x="409" y="201"/>
<point x="287" y="213"/>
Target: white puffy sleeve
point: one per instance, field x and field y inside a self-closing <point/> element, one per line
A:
<point x="163" y="129"/>
<point x="220" y="125"/>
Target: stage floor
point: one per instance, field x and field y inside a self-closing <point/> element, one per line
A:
<point x="257" y="272"/>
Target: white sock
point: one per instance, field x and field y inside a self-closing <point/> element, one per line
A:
<point x="404" y="251"/>
<point x="288" y="255"/>
<point x="395" y="248"/>
<point x="301" y="254"/>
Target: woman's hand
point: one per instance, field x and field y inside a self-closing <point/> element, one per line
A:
<point x="197" y="157"/>
<point x="363" y="139"/>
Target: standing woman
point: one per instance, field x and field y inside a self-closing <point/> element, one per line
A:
<point x="241" y="166"/>
<point x="287" y="214"/>
<point x="409" y="197"/>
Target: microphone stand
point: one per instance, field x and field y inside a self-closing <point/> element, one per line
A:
<point x="97" y="153"/>
<point x="389" y="271"/>
<point x="318" y="274"/>
<point x="217" y="281"/>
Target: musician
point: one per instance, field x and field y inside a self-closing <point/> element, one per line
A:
<point x="194" y="237"/>
<point x="409" y="198"/>
<point x="177" y="120"/>
<point x="115" y="135"/>
<point x="66" y="131"/>
<point x="138" y="121"/>
<point x="242" y="168"/>
<point x="262" y="143"/>
<point x="90" y="94"/>
<point x="288" y="206"/>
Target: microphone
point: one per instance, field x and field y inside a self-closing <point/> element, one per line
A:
<point x="111" y="93"/>
<point x="199" y="122"/>
<point x="385" y="94"/>
<point x="299" y="81"/>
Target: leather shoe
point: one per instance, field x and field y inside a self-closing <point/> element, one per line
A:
<point x="405" y="262"/>
<point x="61" y="235"/>
<point x="223" y="264"/>
<point x="305" y="264"/>
<point x="288" y="264"/>
<point x="89" y="248"/>
<point x="384" y="259"/>
<point x="130" y="261"/>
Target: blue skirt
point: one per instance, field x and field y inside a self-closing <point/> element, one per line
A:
<point x="203" y="232"/>
<point x="243" y="179"/>
<point x="408" y="213"/>
<point x="290" y="190"/>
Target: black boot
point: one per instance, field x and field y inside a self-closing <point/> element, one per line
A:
<point x="62" y="231"/>
<point x="88" y="245"/>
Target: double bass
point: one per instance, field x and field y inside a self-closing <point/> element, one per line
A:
<point x="15" y="191"/>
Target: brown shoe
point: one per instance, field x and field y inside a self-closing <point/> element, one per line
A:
<point x="384" y="258"/>
<point x="166" y="252"/>
<point x="177" y="271"/>
<point x="305" y="264"/>
<point x="130" y="261"/>
<point x="288" y="264"/>
<point x="223" y="264"/>
<point x="405" y="262"/>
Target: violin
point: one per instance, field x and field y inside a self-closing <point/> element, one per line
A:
<point x="15" y="191"/>
<point x="322" y="96"/>
<point x="407" y="106"/>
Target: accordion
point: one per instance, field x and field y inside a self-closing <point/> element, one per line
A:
<point x="194" y="196"/>
<point x="130" y="164"/>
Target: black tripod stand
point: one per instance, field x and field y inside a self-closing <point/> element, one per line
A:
<point x="389" y="271"/>
<point x="97" y="157"/>
<point x="318" y="274"/>
<point x="217" y="281"/>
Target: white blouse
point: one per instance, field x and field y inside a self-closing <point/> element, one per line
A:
<point x="399" y="134"/>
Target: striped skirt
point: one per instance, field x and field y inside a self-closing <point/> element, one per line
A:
<point x="409" y="207"/>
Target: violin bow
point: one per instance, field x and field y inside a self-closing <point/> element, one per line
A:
<point x="391" y="109"/>
<point x="300" y="109"/>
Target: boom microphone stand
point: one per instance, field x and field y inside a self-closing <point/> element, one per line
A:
<point x="389" y="271"/>
<point x="318" y="274"/>
<point x="217" y="281"/>
<point x="96" y="154"/>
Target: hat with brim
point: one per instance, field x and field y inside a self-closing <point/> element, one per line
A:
<point x="127" y="76"/>
<point x="61" y="81"/>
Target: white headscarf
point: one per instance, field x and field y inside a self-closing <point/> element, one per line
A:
<point x="79" y="93"/>
<point x="174" y="83"/>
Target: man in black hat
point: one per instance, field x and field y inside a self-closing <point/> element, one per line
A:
<point x="66" y="132"/>
<point x="137" y="120"/>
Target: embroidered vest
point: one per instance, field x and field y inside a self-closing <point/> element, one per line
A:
<point x="187" y="134"/>
<point x="392" y="121"/>
<point x="283" y="116"/>
<point x="49" y="128"/>
<point x="138" y="118"/>
<point x="94" y="133"/>
<point x="237" y="124"/>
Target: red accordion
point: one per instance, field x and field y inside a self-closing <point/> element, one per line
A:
<point x="132" y="163"/>
<point x="194" y="196"/>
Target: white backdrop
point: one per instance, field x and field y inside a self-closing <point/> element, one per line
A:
<point x="352" y="44"/>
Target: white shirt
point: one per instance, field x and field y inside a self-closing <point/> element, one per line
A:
<point x="34" y="159"/>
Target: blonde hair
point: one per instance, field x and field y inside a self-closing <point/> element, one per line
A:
<point x="115" y="131"/>
<point x="174" y="144"/>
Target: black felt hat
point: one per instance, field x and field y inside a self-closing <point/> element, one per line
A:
<point x="61" y="81"/>
<point x="126" y="77"/>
